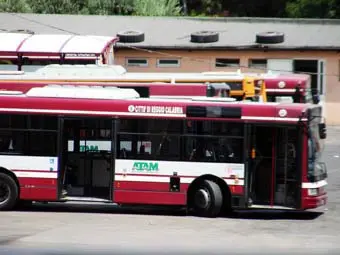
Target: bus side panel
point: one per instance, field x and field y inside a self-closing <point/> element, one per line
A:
<point x="149" y="182"/>
<point x="37" y="176"/>
<point x="137" y="189"/>
<point x="149" y="197"/>
<point x="157" y="193"/>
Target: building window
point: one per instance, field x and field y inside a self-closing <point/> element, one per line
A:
<point x="258" y="63"/>
<point x="141" y="62"/>
<point x="168" y="63"/>
<point x="227" y="62"/>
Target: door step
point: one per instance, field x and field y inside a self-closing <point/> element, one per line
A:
<point x="85" y="199"/>
<point x="276" y="207"/>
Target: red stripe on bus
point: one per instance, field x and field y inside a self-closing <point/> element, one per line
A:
<point x="38" y="189"/>
<point x="149" y="197"/>
<point x="147" y="186"/>
<point x="163" y="187"/>
<point x="36" y="181"/>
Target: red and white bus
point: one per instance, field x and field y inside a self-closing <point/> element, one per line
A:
<point x="208" y="154"/>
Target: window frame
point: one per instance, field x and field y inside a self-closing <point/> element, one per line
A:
<point x="146" y="64"/>
<point x="219" y="62"/>
<point x="160" y="65"/>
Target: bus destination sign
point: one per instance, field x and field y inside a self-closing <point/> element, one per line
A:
<point x="155" y="109"/>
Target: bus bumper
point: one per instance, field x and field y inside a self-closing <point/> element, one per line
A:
<point x="311" y="202"/>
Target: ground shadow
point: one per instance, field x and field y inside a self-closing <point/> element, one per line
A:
<point x="275" y="215"/>
<point x="168" y="211"/>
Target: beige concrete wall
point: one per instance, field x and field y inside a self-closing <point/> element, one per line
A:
<point x="199" y="61"/>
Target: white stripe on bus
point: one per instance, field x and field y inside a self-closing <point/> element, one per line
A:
<point x="165" y="179"/>
<point x="273" y="118"/>
<point x="29" y="163"/>
<point x="314" y="185"/>
<point x="42" y="175"/>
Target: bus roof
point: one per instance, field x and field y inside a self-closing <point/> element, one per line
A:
<point x="39" y="45"/>
<point x="110" y="73"/>
<point x="275" y="82"/>
<point x="152" y="107"/>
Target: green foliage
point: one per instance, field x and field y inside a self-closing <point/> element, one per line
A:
<point x="258" y="8"/>
<point x="313" y="9"/>
<point x="157" y="8"/>
<point x="14" y="6"/>
<point x="53" y="6"/>
<point x="105" y="7"/>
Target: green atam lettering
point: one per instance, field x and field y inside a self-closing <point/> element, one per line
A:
<point x="83" y="148"/>
<point x="145" y="166"/>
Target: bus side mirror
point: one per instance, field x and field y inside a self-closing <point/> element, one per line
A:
<point x="322" y="131"/>
<point x="316" y="99"/>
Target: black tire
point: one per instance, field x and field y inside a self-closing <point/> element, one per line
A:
<point x="204" y="37"/>
<point x="8" y="192"/>
<point x="131" y="36"/>
<point x="207" y="199"/>
<point x="270" y="38"/>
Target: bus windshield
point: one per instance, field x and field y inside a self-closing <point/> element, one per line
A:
<point x="316" y="169"/>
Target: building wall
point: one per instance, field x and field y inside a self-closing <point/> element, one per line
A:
<point x="199" y="61"/>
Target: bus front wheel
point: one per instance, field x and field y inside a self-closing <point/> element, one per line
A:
<point x="207" y="199"/>
<point x="8" y="192"/>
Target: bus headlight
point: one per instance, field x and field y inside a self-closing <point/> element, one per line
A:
<point x="312" y="192"/>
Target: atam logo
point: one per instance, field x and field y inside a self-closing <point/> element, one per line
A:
<point x="145" y="166"/>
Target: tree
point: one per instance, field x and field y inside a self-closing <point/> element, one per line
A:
<point x="53" y="6"/>
<point x="313" y="9"/>
<point x="106" y="7"/>
<point x="14" y="6"/>
<point x="157" y="7"/>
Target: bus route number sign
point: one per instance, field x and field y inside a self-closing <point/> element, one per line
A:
<point x="155" y="109"/>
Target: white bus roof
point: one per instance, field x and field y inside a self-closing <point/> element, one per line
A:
<point x="48" y="44"/>
<point x="84" y="93"/>
<point x="197" y="98"/>
<point x="110" y="73"/>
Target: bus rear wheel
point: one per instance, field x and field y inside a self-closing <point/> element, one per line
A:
<point x="8" y="192"/>
<point x="207" y="199"/>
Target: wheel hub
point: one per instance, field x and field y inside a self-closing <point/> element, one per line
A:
<point x="4" y="192"/>
<point x="202" y="198"/>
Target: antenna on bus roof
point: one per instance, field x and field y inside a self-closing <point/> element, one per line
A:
<point x="79" y="86"/>
<point x="224" y="73"/>
<point x="84" y="93"/>
<point x="197" y="98"/>
<point x="81" y="70"/>
<point x="214" y="99"/>
<point x="8" y="72"/>
<point x="10" y="92"/>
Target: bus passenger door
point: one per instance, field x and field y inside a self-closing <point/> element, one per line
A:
<point x="88" y="159"/>
<point x="274" y="169"/>
<point x="287" y="178"/>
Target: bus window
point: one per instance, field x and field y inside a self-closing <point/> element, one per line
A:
<point x="149" y="139"/>
<point x="214" y="141"/>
